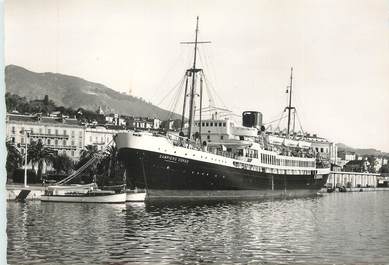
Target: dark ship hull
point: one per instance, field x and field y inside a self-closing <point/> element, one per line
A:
<point x="167" y="177"/>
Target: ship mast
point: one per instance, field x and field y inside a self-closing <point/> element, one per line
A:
<point x="289" y="108"/>
<point x="193" y="72"/>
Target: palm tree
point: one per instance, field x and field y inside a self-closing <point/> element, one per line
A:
<point x="62" y="163"/>
<point x="110" y="166"/>
<point x="87" y="154"/>
<point x="39" y="154"/>
<point x="14" y="159"/>
<point x="107" y="165"/>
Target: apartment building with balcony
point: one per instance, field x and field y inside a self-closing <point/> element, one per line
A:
<point x="63" y="134"/>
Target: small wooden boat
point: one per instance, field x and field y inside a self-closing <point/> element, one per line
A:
<point x="91" y="195"/>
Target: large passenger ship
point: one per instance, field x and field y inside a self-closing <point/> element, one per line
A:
<point x="216" y="158"/>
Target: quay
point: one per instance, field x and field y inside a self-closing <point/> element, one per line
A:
<point x="357" y="181"/>
<point x="13" y="190"/>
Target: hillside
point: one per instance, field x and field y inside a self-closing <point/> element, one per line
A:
<point x="361" y="151"/>
<point x="74" y="92"/>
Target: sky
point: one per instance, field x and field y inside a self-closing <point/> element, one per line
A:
<point x="339" y="51"/>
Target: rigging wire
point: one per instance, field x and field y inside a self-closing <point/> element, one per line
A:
<point x="171" y="90"/>
<point x="270" y="122"/>
<point x="176" y="98"/>
<point x="208" y="82"/>
<point x="282" y="117"/>
<point x="172" y="66"/>
<point x="298" y="119"/>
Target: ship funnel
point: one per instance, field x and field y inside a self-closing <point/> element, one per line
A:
<point x="252" y="119"/>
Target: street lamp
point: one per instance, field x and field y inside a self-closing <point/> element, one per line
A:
<point x="26" y="135"/>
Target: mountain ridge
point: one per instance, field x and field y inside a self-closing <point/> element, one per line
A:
<point x="75" y="92"/>
<point x="361" y="151"/>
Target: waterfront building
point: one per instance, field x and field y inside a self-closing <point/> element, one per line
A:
<point x="115" y="119"/>
<point x="143" y="123"/>
<point x="347" y="156"/>
<point x="64" y="135"/>
<point x="99" y="136"/>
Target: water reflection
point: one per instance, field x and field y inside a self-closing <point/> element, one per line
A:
<point x="338" y="228"/>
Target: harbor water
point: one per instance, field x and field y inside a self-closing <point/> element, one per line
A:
<point x="334" y="228"/>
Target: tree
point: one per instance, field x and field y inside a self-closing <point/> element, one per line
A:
<point x="39" y="154"/>
<point x="372" y="163"/>
<point x="384" y="169"/>
<point x="62" y="164"/>
<point x="87" y="154"/>
<point x="14" y="159"/>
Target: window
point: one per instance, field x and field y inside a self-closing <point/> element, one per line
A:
<point x="203" y="124"/>
<point x="72" y="153"/>
<point x="221" y="137"/>
<point x="322" y="150"/>
<point x="22" y="131"/>
<point x="208" y="137"/>
<point x="207" y="124"/>
<point x="32" y="130"/>
<point x="64" y="142"/>
<point x="48" y="131"/>
<point x="72" y="143"/>
<point x="211" y="124"/>
<point x="40" y="130"/>
<point x="48" y="141"/>
<point x="56" y="142"/>
<point x="13" y="139"/>
<point x="64" y="132"/>
<point x="80" y="144"/>
<point x="13" y="129"/>
<point x="80" y="134"/>
<point x="72" y="134"/>
<point x="224" y="124"/>
<point x="220" y="124"/>
<point x="56" y="131"/>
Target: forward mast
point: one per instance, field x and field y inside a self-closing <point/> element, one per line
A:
<point x="192" y="73"/>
